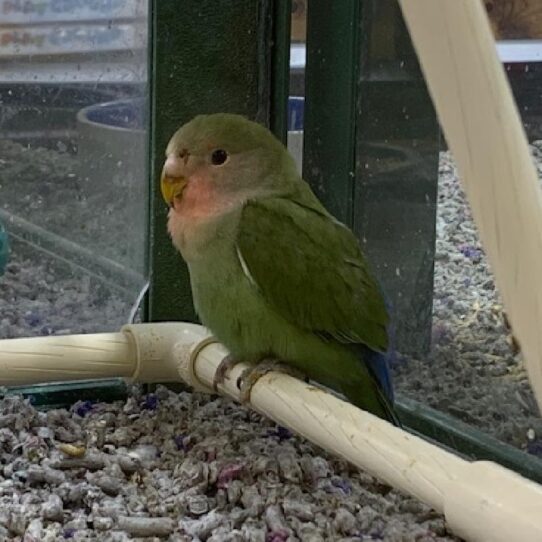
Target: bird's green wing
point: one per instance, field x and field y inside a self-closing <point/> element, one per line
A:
<point x="310" y="268"/>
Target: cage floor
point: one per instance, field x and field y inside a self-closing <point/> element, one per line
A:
<point x="182" y="467"/>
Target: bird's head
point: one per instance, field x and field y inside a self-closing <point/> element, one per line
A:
<point x="227" y="155"/>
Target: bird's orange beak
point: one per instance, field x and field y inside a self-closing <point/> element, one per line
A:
<point x="171" y="187"/>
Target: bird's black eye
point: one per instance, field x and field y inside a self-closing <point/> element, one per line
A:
<point x="219" y="157"/>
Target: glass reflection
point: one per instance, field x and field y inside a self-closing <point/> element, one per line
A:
<point x="73" y="182"/>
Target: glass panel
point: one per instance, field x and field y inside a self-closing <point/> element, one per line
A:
<point x="474" y="370"/>
<point x="396" y="171"/>
<point x="73" y="164"/>
<point x="455" y="351"/>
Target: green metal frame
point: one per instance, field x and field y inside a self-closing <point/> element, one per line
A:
<point x="331" y="78"/>
<point x="280" y="72"/>
<point x="207" y="56"/>
<point x="199" y="64"/>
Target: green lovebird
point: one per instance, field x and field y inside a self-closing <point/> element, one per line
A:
<point x="273" y="274"/>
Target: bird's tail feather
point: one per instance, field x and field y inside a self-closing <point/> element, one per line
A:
<point x="379" y="369"/>
<point x="379" y="365"/>
<point x="374" y="391"/>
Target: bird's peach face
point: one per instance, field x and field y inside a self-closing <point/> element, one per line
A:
<point x="180" y="166"/>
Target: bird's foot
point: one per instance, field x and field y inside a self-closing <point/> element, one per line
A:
<point x="250" y="376"/>
<point x="228" y="363"/>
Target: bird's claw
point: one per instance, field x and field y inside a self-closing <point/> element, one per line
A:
<point x="228" y="363"/>
<point x="250" y="376"/>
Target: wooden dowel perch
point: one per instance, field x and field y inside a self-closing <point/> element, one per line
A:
<point x="483" y="129"/>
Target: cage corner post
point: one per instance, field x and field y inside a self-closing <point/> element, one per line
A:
<point x="206" y="57"/>
<point x="280" y="68"/>
<point x="332" y="67"/>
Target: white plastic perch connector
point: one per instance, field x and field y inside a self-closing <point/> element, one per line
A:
<point x="141" y="353"/>
<point x="481" y="500"/>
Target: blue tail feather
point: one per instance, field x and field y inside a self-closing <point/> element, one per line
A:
<point x="379" y="363"/>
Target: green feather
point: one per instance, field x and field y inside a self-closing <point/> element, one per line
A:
<point x="311" y="270"/>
